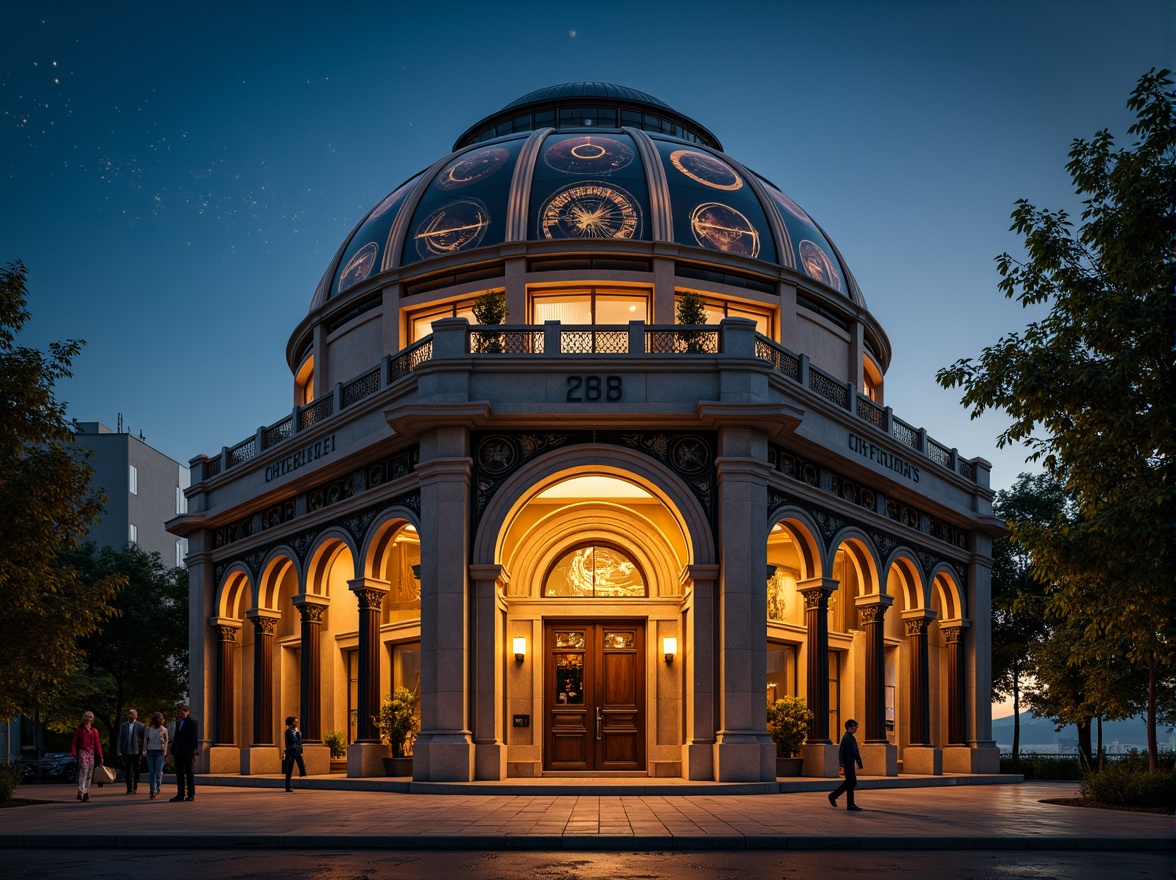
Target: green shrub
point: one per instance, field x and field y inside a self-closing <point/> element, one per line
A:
<point x="335" y="742"/>
<point x="9" y="780"/>
<point x="1032" y="767"/>
<point x="788" y="721"/>
<point x="1124" y="785"/>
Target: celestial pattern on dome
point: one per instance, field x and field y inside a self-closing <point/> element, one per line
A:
<point x="712" y="205"/>
<point x="606" y="197"/>
<point x="814" y="254"/>
<point x="592" y="185"/>
<point x="465" y="204"/>
<point x="363" y="253"/>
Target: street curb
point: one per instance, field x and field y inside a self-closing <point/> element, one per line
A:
<point x="578" y="843"/>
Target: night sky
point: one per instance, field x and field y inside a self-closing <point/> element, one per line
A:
<point x="177" y="176"/>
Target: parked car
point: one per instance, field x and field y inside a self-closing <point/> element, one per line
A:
<point x="51" y="767"/>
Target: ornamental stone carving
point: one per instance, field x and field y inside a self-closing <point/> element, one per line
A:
<point x="310" y="612"/>
<point x="916" y="626"/>
<point x="265" y="626"/>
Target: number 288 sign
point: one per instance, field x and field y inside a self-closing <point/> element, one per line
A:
<point x="592" y="389"/>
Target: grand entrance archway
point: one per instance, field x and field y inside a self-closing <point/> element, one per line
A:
<point x="594" y="695"/>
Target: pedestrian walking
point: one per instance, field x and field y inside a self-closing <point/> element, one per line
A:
<point x="87" y="750"/>
<point x="130" y="748"/>
<point x="293" y="750"/>
<point x="185" y="746"/>
<point x="155" y="744"/>
<point x="850" y="759"/>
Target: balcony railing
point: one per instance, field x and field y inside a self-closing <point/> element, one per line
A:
<point x="634" y="339"/>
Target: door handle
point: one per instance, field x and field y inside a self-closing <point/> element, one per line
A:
<point x="599" y="721"/>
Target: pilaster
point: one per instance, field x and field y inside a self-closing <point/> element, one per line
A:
<point x="815" y="592"/>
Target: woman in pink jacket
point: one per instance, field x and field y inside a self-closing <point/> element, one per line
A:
<point x="87" y="746"/>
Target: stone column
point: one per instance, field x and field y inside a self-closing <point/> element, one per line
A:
<point x="744" y="750"/>
<point x="879" y="757"/>
<point x="957" y="706"/>
<point x="317" y="756"/>
<point x="224" y="755"/>
<point x="311" y="610"/>
<point x="262" y="755"/>
<point x="920" y="756"/>
<point x="365" y="755"/>
<point x="488" y="653"/>
<point x="820" y="754"/>
<point x="444" y="750"/>
<point x="702" y="710"/>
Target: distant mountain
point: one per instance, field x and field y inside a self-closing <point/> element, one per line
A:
<point x="1038" y="734"/>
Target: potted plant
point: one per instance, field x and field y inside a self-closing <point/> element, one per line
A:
<point x="690" y="311"/>
<point x="490" y="308"/>
<point x="334" y="740"/>
<point x="397" y="722"/>
<point x="788" y="723"/>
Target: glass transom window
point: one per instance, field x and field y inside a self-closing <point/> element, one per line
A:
<point x="595" y="571"/>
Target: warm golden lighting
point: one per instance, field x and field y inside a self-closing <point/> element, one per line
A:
<point x="520" y="648"/>
<point x="669" y="648"/>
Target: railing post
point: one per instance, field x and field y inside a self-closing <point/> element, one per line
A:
<point x="888" y="421"/>
<point x="922" y="440"/>
<point x="224" y="459"/>
<point x="851" y="394"/>
<point x="802" y="371"/>
<point x="259" y="442"/>
<point x="636" y="337"/>
<point x="386" y="371"/>
<point x="294" y="426"/>
<point x="551" y="337"/>
<point x="337" y="398"/>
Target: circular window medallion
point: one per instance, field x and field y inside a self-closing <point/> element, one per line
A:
<point x="706" y="169"/>
<point x="452" y="228"/>
<point x="722" y="228"/>
<point x="591" y="154"/>
<point x="689" y="455"/>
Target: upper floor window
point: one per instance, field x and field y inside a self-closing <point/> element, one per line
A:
<point x="871" y="380"/>
<point x="181" y="501"/>
<point x="304" y="382"/>
<point x="590" y="305"/>
<point x="595" y="571"/>
<point x="420" y="322"/>
<point x="132" y="479"/>
<point x="717" y="309"/>
<point x="133" y="533"/>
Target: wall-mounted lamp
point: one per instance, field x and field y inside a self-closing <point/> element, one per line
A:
<point x="520" y="648"/>
<point x="670" y="648"/>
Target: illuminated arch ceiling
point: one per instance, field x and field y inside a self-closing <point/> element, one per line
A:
<point x="586" y="161"/>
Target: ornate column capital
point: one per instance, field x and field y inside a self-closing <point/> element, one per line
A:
<point x="918" y="620"/>
<point x="310" y="612"/>
<point x="873" y="608"/>
<point x="953" y="635"/>
<point x="264" y="620"/>
<point x="369" y="592"/>
<point x="226" y="628"/>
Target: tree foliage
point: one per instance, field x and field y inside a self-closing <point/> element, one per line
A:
<point x="47" y="508"/>
<point x="139" y="657"/>
<point x="1018" y="622"/>
<point x="1088" y="388"/>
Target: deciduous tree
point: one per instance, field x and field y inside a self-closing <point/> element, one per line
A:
<point x="1088" y="388"/>
<point x="47" y="507"/>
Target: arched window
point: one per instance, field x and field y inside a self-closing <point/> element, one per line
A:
<point x="595" y="571"/>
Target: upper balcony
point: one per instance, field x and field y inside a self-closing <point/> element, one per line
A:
<point x="553" y="340"/>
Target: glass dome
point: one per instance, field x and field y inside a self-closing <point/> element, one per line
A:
<point x="593" y="162"/>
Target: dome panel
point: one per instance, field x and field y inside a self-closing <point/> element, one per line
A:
<point x="465" y="205"/>
<point x="713" y="206"/>
<point x="589" y="186"/>
<point x="365" y="251"/>
<point x="586" y="90"/>
<point x="814" y="253"/>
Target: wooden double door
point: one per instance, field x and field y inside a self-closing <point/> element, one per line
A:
<point x="594" y="702"/>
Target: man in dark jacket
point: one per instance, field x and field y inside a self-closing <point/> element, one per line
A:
<point x="850" y="759"/>
<point x="131" y="747"/>
<point x="185" y="746"/>
<point x="293" y="750"/>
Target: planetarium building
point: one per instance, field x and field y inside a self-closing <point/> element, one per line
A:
<point x="589" y="449"/>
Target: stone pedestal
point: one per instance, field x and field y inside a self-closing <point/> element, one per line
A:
<point x="922" y="760"/>
<point x="744" y="758"/>
<point x="819" y="760"/>
<point x="489" y="761"/>
<point x="967" y="759"/>
<point x="443" y="758"/>
<point x="223" y="759"/>
<point x="879" y="759"/>
<point x="699" y="760"/>
<point x="317" y="759"/>
<point x="261" y="760"/>
<point x="365" y="759"/>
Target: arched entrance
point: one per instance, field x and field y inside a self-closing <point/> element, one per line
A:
<point x="593" y="590"/>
